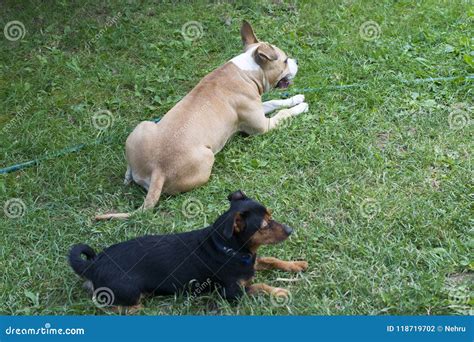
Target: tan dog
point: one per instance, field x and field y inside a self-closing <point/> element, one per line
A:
<point x="177" y="153"/>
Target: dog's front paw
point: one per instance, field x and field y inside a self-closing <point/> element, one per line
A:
<point x="279" y="292"/>
<point x="298" y="266"/>
<point x="298" y="109"/>
<point x="297" y="99"/>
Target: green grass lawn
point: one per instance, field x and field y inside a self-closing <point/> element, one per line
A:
<point x="376" y="180"/>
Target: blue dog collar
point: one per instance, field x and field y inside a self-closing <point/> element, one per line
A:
<point x="245" y="258"/>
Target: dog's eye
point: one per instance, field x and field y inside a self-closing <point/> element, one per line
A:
<point x="286" y="60"/>
<point x="265" y="225"/>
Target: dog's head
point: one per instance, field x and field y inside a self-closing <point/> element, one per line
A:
<point x="278" y="69"/>
<point x="249" y="223"/>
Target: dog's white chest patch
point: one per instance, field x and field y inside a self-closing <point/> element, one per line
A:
<point x="245" y="61"/>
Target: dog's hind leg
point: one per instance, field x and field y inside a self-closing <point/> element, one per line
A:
<point x="130" y="310"/>
<point x="128" y="176"/>
<point x="88" y="286"/>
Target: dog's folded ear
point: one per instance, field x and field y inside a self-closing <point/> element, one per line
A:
<point x="246" y="32"/>
<point x="237" y="196"/>
<point x="237" y="226"/>
<point x="265" y="53"/>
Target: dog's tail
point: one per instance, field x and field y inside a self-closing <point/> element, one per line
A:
<point x="78" y="264"/>
<point x="121" y="216"/>
<point x="152" y="197"/>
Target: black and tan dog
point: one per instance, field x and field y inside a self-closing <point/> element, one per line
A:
<point x="222" y="255"/>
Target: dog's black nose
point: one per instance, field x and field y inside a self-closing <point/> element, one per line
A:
<point x="296" y="61"/>
<point x="288" y="230"/>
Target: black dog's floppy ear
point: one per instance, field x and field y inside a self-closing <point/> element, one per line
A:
<point x="237" y="196"/>
<point x="237" y="226"/>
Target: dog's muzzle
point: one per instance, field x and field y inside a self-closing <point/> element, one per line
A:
<point x="286" y="80"/>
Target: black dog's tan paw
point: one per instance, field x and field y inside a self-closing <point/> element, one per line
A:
<point x="297" y="266"/>
<point x="134" y="310"/>
<point x="127" y="310"/>
<point x="280" y="292"/>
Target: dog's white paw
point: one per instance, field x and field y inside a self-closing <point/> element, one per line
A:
<point x="301" y="108"/>
<point x="297" y="99"/>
